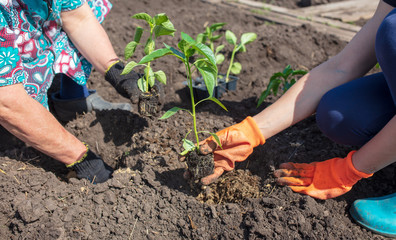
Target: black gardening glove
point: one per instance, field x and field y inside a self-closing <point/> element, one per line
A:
<point x="93" y="168"/>
<point x="126" y="85"/>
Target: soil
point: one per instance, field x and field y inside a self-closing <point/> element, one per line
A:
<point x="149" y="102"/>
<point x="148" y="198"/>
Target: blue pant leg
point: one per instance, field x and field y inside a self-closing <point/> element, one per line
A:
<point x="69" y="89"/>
<point x="385" y="49"/>
<point x="355" y="112"/>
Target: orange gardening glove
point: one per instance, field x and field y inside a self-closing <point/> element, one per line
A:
<point x="237" y="143"/>
<point x="322" y="180"/>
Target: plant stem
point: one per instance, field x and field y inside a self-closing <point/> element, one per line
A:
<point x="192" y="103"/>
<point x="231" y="61"/>
<point x="148" y="76"/>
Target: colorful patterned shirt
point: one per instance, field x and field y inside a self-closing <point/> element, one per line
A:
<point x="33" y="47"/>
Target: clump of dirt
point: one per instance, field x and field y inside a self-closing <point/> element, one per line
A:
<point x="149" y="102"/>
<point x="199" y="165"/>
<point x="233" y="187"/>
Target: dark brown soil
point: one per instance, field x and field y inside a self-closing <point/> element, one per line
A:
<point x="148" y="197"/>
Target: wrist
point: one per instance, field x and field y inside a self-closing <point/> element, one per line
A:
<point x="352" y="167"/>
<point x="111" y="63"/>
<point x="81" y="158"/>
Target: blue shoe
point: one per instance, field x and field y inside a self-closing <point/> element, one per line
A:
<point x="377" y="214"/>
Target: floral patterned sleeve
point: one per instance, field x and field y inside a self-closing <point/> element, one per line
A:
<point x="68" y="5"/>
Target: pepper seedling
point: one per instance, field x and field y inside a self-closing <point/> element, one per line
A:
<point x="206" y="65"/>
<point x="208" y="38"/>
<point x="160" y="25"/>
<point x="286" y="78"/>
<point x="246" y="38"/>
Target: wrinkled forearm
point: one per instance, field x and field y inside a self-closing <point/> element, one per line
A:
<point x="89" y="37"/>
<point x="29" y="121"/>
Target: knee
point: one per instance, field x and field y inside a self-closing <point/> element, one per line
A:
<point x="336" y="121"/>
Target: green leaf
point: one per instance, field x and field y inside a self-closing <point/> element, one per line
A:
<point x="236" y="68"/>
<point x="209" y="74"/>
<point x="187" y="38"/>
<point x="169" y="25"/>
<point x="215" y="38"/>
<point x="163" y="31"/>
<point x="154" y="55"/>
<point x="138" y="34"/>
<point x="287" y="70"/>
<point x="144" y="16"/>
<point x="201" y="38"/>
<point x="248" y="38"/>
<point x="128" y="68"/>
<point x="207" y="52"/>
<point x="218" y="102"/>
<point x="216" y="26"/>
<point x="217" y="139"/>
<point x="190" y="52"/>
<point x="263" y="96"/>
<point x="299" y="72"/>
<point x="219" y="59"/>
<point x="160" y="76"/>
<point x="175" y="52"/>
<point x="170" y="112"/>
<point x="142" y="84"/>
<point x="130" y="49"/>
<point x="219" y="48"/>
<point x="230" y="37"/>
<point x="241" y="48"/>
<point x="183" y="45"/>
<point x="188" y="145"/>
<point x="149" y="46"/>
<point x="160" y="18"/>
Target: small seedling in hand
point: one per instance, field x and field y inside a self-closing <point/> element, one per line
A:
<point x="246" y="38"/>
<point x="208" y="38"/>
<point x="206" y="65"/>
<point x="284" y="80"/>
<point x="160" y="25"/>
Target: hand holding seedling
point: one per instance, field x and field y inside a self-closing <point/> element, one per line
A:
<point x="237" y="143"/>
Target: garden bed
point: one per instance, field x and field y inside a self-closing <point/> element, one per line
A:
<point x="148" y="197"/>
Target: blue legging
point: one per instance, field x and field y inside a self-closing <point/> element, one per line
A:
<point x="355" y="112"/>
<point x="69" y="89"/>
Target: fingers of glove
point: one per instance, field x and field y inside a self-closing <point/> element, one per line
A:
<point x="292" y="181"/>
<point x="209" y="146"/>
<point x="293" y="173"/>
<point x="295" y="170"/>
<point x="213" y="177"/>
<point x="319" y="193"/>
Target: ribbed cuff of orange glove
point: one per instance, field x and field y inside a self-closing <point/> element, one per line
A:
<point x="252" y="132"/>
